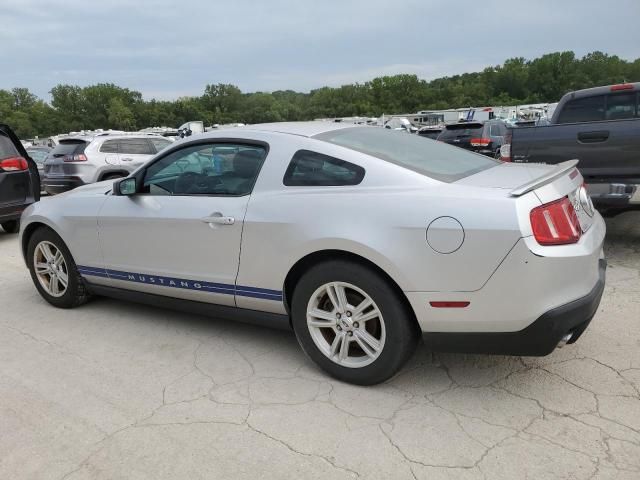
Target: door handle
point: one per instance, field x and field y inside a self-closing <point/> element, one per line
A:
<point x="127" y="159"/>
<point x="218" y="219"/>
<point x="593" y="137"/>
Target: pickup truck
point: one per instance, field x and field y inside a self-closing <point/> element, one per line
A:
<point x="601" y="128"/>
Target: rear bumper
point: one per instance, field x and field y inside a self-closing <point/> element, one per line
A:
<point x="54" y="185"/>
<point x="538" y="339"/>
<point x="13" y="212"/>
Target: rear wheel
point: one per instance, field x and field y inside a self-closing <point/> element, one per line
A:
<point x="12" y="226"/>
<point x="352" y="323"/>
<point x="53" y="270"/>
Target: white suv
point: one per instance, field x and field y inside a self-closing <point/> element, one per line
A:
<point x="78" y="160"/>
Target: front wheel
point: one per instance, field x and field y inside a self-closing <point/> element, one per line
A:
<point x="113" y="176"/>
<point x="53" y="271"/>
<point x="352" y="323"/>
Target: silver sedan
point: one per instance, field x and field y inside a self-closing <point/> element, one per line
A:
<point x="359" y="238"/>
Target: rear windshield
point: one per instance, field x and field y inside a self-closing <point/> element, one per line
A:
<point x="68" y="147"/>
<point x="7" y="148"/>
<point x="433" y="159"/>
<point x="464" y="130"/>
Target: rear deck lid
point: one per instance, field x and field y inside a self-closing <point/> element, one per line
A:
<point x="460" y="134"/>
<point x="547" y="182"/>
<point x="55" y="162"/>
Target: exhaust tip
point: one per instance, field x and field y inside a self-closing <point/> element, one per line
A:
<point x="563" y="341"/>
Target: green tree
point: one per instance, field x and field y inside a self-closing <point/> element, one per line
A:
<point x="516" y="81"/>
<point x="119" y="115"/>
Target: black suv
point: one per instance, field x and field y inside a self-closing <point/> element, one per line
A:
<point x="19" y="180"/>
<point x="480" y="137"/>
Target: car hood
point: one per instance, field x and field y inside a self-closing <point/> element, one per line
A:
<point x="98" y="188"/>
<point x="507" y="175"/>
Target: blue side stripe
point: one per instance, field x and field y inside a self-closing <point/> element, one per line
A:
<point x="161" y="280"/>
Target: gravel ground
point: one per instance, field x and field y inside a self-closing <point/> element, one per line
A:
<point x="117" y="390"/>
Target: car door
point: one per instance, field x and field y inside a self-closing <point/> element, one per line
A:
<point x="109" y="149"/>
<point x="180" y="234"/>
<point x="134" y="152"/>
<point x="496" y="133"/>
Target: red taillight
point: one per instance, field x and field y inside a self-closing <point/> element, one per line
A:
<point x="480" y="142"/>
<point x="448" y="304"/>
<point x="622" y="86"/>
<point x="14" y="164"/>
<point x="78" y="157"/>
<point x="555" y="223"/>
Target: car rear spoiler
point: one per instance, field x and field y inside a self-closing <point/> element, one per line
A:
<point x="557" y="172"/>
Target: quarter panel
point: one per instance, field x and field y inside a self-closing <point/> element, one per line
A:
<point x="386" y="225"/>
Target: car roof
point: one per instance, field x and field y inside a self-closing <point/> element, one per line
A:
<point x="92" y="138"/>
<point x="604" y="90"/>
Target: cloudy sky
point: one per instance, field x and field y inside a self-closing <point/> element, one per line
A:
<point x="171" y="48"/>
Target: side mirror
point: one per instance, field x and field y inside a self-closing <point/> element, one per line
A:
<point x="125" y="187"/>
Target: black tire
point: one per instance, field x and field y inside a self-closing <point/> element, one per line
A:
<point x="76" y="293"/>
<point x="12" y="226"/>
<point x="402" y="333"/>
<point x="113" y="176"/>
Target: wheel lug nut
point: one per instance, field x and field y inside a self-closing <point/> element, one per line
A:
<point x="348" y="314"/>
<point x="351" y="334"/>
<point x="355" y="325"/>
<point x="338" y="316"/>
<point x="339" y="328"/>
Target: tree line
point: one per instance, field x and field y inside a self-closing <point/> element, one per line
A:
<point x="516" y="81"/>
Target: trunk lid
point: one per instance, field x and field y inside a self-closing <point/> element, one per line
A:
<point x="547" y="182"/>
<point x="55" y="164"/>
<point x="461" y="134"/>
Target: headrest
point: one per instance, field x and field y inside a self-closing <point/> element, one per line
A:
<point x="246" y="163"/>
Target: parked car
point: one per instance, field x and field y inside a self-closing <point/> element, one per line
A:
<point x="601" y="128"/>
<point x="39" y="155"/>
<point x="19" y="180"/>
<point x="358" y="238"/>
<point x="480" y="137"/>
<point x="430" y="132"/>
<point x="401" y="124"/>
<point x="79" y="160"/>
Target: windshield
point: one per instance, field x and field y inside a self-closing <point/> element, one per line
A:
<point x="7" y="148"/>
<point x="38" y="155"/>
<point x="68" y="147"/>
<point x="433" y="159"/>
<point x="459" y="131"/>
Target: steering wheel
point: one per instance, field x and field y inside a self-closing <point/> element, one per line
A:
<point x="194" y="183"/>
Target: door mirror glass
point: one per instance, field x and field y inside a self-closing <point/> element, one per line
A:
<point x="126" y="187"/>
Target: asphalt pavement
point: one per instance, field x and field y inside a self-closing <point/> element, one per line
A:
<point x="118" y="390"/>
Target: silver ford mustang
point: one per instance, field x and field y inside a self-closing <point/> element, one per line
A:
<point x="358" y="238"/>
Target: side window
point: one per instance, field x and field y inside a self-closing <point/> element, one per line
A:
<point x="109" y="146"/>
<point x="135" y="146"/>
<point x="159" y="143"/>
<point x="621" y="106"/>
<point x="308" y="169"/>
<point x="206" y="169"/>
<point x="588" y="109"/>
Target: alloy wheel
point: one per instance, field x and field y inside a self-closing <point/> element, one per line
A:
<point x="51" y="269"/>
<point x="346" y="324"/>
